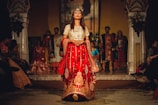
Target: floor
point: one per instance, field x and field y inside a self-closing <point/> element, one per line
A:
<point x="35" y="96"/>
<point x="116" y="89"/>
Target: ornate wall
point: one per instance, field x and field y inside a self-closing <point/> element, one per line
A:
<point x="136" y="41"/>
<point x="18" y="11"/>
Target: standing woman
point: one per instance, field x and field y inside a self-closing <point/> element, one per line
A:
<point x="77" y="67"/>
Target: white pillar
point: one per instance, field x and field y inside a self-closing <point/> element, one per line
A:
<point x="24" y="49"/>
<point x="21" y="8"/>
<point x="131" y="47"/>
<point x="134" y="39"/>
<point x="133" y="7"/>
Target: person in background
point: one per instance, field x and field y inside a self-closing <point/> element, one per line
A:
<point x="39" y="64"/>
<point x="121" y="51"/>
<point x="48" y="43"/>
<point x="106" y="40"/>
<point x="6" y="78"/>
<point x="95" y="53"/>
<point x="19" y="78"/>
<point x="151" y="71"/>
<point x="114" y="52"/>
<point x="77" y="67"/>
<point x="15" y="56"/>
<point x="54" y="61"/>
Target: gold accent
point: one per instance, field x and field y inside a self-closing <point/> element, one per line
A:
<point x="78" y="79"/>
<point x="75" y="97"/>
<point x="78" y="9"/>
<point x="85" y="90"/>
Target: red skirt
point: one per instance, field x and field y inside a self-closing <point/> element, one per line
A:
<point x="75" y="69"/>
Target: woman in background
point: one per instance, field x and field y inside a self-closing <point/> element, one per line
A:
<point x="19" y="77"/>
<point x="39" y="65"/>
<point x="15" y="56"/>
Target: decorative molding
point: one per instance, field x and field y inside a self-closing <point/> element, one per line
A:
<point x="17" y="23"/>
<point x="138" y="22"/>
<point x="18" y="6"/>
<point x="136" y="5"/>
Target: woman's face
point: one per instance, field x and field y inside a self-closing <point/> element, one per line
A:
<point x="77" y="14"/>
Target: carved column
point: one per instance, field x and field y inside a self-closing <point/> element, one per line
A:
<point x="131" y="47"/>
<point x="21" y="7"/>
<point x="24" y="38"/>
<point x="136" y="10"/>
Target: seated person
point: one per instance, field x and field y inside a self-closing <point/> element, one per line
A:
<point x="150" y="74"/>
<point x="5" y="70"/>
<point x="152" y="59"/>
<point x="14" y="54"/>
<point x="17" y="75"/>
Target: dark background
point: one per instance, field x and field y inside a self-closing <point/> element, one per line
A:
<point x="5" y="30"/>
<point x="151" y="29"/>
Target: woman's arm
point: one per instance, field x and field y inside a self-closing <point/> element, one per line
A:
<point x="64" y="42"/>
<point x="149" y="59"/>
<point x="153" y="56"/>
<point x="77" y="42"/>
<point x="93" y="64"/>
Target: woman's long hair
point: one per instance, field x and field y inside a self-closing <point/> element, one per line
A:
<point x="82" y="23"/>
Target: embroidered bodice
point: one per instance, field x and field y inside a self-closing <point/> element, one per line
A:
<point x="77" y="33"/>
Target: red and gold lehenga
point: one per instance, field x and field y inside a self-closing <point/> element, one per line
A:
<point x="78" y="69"/>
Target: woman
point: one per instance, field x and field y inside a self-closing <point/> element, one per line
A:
<point x="15" y="56"/>
<point x="77" y="67"/>
<point x="20" y="79"/>
<point x="121" y="50"/>
<point x="39" y="65"/>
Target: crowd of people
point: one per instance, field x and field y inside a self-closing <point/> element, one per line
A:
<point x="79" y="57"/>
<point x="47" y="53"/>
<point x="112" y="48"/>
<point x="109" y="52"/>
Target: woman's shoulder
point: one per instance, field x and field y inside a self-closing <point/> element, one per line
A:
<point x="67" y="25"/>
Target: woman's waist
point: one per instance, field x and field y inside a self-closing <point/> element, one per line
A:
<point x="71" y="43"/>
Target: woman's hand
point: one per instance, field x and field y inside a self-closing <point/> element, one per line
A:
<point x="77" y="42"/>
